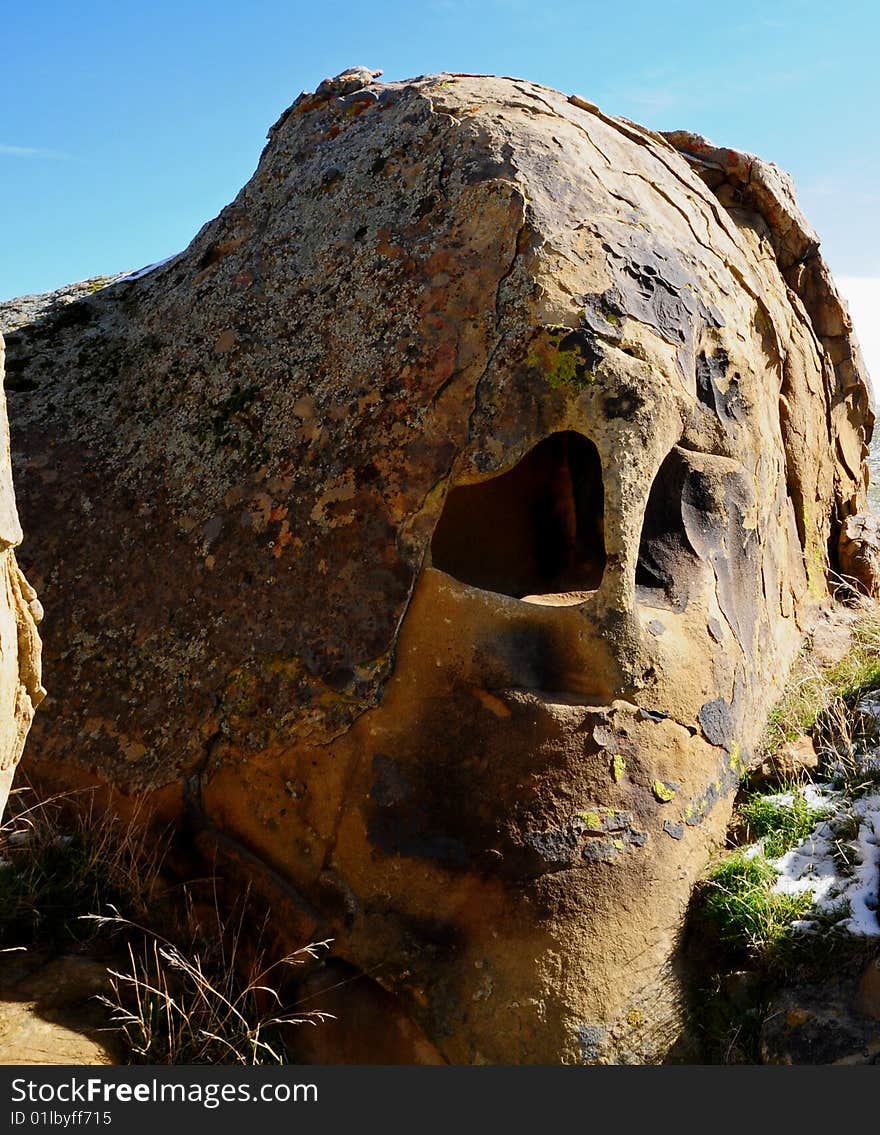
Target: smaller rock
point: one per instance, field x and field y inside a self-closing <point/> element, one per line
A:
<point x="820" y="1024"/>
<point x="348" y="81"/>
<point x="858" y="550"/>
<point x="790" y="761"/>
<point x="583" y="104"/>
<point x="752" y="183"/>
<point x="831" y="636"/>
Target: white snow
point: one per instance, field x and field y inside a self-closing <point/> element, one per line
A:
<point x="149" y="268"/>
<point x="863" y="894"/>
<point x="812" y="868"/>
<point x="815" y="796"/>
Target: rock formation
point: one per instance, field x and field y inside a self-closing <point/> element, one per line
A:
<point x="431" y="536"/>
<point x="858" y="553"/>
<point x="21" y="689"/>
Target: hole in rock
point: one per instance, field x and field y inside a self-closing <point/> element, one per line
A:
<point x="666" y="560"/>
<point x="535" y="530"/>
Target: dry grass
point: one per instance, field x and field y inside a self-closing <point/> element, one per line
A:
<point x="185" y="985"/>
<point x="66" y="855"/>
<point x="203" y="1003"/>
<point x="819" y="700"/>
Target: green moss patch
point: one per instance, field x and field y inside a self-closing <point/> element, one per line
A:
<point x="567" y="358"/>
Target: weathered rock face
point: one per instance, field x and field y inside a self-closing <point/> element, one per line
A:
<point x="435" y="531"/>
<point x="21" y="689"/>
<point x="835" y="1021"/>
<point x="858" y="553"/>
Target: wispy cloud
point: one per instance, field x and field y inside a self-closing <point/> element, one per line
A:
<point x="31" y="152"/>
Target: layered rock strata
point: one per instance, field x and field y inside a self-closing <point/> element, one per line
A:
<point x="432" y="535"/>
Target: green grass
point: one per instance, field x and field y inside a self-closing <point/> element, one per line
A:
<point x="741" y="938"/>
<point x="781" y="825"/>
<point x="739" y="903"/>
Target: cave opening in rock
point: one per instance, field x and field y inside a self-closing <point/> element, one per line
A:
<point x="536" y="530"/>
<point x="666" y="559"/>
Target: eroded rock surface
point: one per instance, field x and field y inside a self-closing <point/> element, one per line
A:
<point x="836" y="1021"/>
<point x="858" y="553"/>
<point x="433" y="533"/>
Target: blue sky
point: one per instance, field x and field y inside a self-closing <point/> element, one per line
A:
<point x="125" y="126"/>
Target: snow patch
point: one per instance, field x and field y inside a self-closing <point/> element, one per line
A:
<point x="149" y="268"/>
<point x="814" y="867"/>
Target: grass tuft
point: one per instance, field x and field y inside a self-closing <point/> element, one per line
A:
<point x="739" y="902"/>
<point x="816" y="697"/>
<point x="65" y="855"/>
<point x="198" y="1003"/>
<point x="781" y="820"/>
<point x="185" y="985"/>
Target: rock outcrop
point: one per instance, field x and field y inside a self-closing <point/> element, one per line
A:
<point x="834" y="1021"/>
<point x="21" y="688"/>
<point x="431" y="536"/>
<point x="858" y="553"/>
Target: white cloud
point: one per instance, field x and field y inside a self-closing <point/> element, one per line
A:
<point x="862" y="294"/>
<point x="29" y="152"/>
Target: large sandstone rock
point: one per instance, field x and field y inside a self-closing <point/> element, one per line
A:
<point x="433" y="534"/>
<point x="21" y="689"/>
